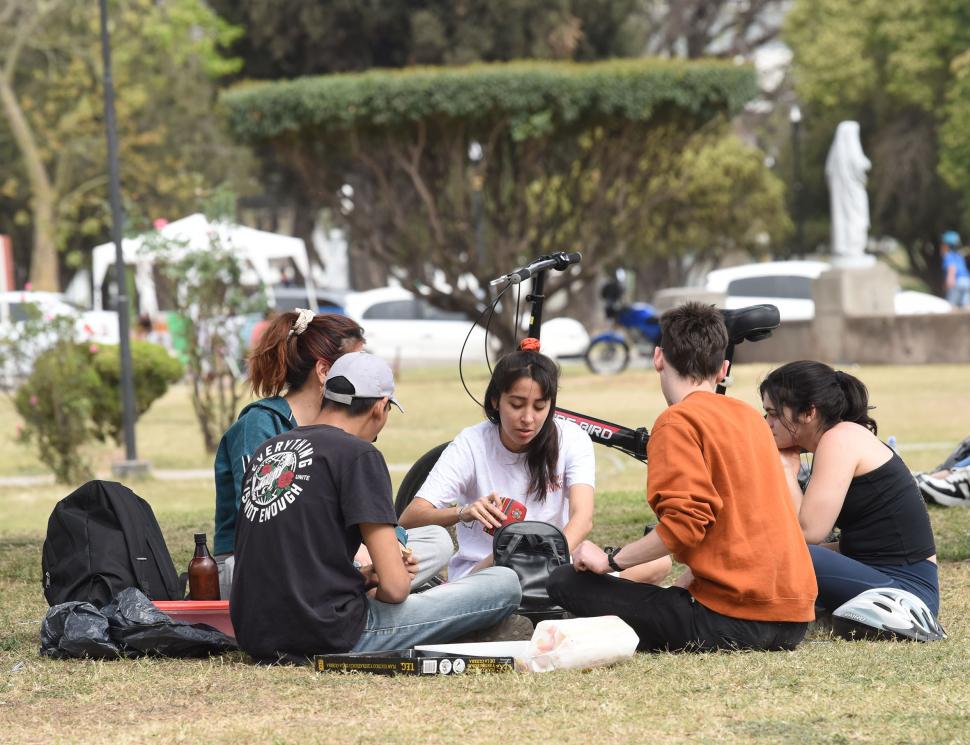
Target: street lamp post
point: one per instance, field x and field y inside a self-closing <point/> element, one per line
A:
<point x="795" y="117"/>
<point x="131" y="464"/>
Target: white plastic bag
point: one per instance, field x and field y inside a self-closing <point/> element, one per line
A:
<point x="579" y="643"/>
<point x="558" y="645"/>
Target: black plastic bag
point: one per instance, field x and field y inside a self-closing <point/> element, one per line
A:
<point x="130" y="625"/>
<point x="76" y="629"/>
<point x="139" y="627"/>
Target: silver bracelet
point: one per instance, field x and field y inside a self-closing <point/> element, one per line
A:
<point x="461" y="508"/>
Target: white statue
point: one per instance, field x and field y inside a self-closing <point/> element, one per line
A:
<point x="845" y="170"/>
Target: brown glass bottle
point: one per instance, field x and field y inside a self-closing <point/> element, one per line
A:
<point x="203" y="572"/>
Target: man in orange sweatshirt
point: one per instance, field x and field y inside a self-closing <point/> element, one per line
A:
<point x="716" y="485"/>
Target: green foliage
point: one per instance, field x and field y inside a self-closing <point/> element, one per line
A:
<point x="955" y="133"/>
<point x="534" y="96"/>
<point x="73" y="397"/>
<point x="575" y="157"/>
<point x="166" y="56"/>
<point x="895" y="66"/>
<point x="56" y="404"/>
<point x="291" y="38"/>
<point x="722" y="200"/>
<point x="154" y="370"/>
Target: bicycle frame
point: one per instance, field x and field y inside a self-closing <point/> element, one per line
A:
<point x="633" y="442"/>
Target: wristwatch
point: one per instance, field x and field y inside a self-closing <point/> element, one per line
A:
<point x="611" y="552"/>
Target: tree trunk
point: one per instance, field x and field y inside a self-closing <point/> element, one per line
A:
<point x="43" y="261"/>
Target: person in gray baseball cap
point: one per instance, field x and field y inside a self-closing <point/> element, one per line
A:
<point x="357" y="377"/>
<point x="311" y="497"/>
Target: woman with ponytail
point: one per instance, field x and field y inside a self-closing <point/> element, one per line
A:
<point x="858" y="485"/>
<point x="287" y="368"/>
<point x="520" y="451"/>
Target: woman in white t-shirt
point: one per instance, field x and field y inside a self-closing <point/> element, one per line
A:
<point x="521" y="452"/>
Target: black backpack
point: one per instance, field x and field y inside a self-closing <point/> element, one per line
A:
<point x="101" y="539"/>
<point x="532" y="549"/>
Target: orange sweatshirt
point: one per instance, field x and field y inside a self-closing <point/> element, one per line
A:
<point x="716" y="485"/>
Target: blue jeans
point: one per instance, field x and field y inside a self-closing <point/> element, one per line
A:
<point x="840" y="578"/>
<point x="474" y="602"/>
<point x="959" y="295"/>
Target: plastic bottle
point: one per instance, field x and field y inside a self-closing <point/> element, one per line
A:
<point x="203" y="572"/>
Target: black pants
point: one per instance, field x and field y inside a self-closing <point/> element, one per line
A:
<point x="667" y="618"/>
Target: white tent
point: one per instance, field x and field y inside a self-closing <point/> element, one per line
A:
<point x="260" y="251"/>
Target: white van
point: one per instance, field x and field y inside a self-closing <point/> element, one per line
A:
<point x="788" y="285"/>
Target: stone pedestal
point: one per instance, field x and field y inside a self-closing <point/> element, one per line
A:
<point x="842" y="293"/>
<point x="137" y="469"/>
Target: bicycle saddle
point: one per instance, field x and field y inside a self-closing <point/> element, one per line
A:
<point x="752" y="323"/>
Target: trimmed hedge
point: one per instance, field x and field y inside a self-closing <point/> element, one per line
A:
<point x="534" y="96"/>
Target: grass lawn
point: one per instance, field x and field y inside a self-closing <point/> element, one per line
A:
<point x="826" y="691"/>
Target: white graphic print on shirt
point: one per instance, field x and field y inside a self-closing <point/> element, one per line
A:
<point x="271" y="485"/>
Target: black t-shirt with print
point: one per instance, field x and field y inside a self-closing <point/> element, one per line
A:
<point x="295" y="590"/>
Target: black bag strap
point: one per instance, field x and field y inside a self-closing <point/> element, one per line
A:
<point x="537" y="535"/>
<point x="513" y="544"/>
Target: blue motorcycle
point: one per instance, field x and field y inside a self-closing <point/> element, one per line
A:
<point x="636" y="325"/>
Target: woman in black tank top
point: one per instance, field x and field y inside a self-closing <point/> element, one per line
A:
<point x="858" y="485"/>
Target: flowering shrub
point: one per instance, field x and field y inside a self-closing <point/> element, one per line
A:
<point x="72" y="397"/>
<point x="56" y="405"/>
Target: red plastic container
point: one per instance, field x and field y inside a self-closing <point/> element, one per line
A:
<point x="213" y="612"/>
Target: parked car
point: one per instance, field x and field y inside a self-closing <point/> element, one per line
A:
<point x="285" y="298"/>
<point x="399" y="325"/>
<point x="98" y="326"/>
<point x="788" y="285"/>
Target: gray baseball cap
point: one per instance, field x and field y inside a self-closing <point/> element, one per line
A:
<point x="370" y="376"/>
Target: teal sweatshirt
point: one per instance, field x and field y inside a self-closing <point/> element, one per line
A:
<point x="256" y="423"/>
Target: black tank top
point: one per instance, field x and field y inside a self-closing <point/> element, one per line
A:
<point x="884" y="519"/>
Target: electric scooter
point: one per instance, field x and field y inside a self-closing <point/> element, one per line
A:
<point x="753" y="323"/>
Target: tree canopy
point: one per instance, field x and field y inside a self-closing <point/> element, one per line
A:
<point x="533" y="98"/>
<point x="291" y="38"/>
<point x="172" y="148"/>
<point x="898" y="68"/>
<point x="447" y="172"/>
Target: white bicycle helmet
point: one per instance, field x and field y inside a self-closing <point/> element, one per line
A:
<point x="886" y="613"/>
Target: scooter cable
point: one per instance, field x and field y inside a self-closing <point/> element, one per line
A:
<point x="489" y="310"/>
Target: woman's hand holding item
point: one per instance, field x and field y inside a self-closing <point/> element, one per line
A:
<point x="486" y="510"/>
<point x="410" y="562"/>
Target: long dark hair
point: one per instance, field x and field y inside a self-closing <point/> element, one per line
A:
<point x="282" y="361"/>
<point x="836" y="396"/>
<point x="542" y="454"/>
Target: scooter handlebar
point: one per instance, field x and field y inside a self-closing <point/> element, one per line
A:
<point x="559" y="261"/>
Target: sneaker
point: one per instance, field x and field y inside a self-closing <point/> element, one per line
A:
<point x="953" y="491"/>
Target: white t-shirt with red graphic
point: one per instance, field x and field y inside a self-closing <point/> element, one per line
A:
<point x="476" y="463"/>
